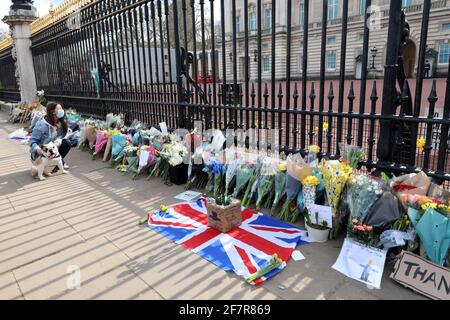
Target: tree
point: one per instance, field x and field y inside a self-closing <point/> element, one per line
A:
<point x="3" y="33"/>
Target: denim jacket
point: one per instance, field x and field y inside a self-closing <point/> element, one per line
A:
<point x="42" y="134"/>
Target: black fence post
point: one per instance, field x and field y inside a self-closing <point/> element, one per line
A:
<point x="180" y="95"/>
<point x="390" y="94"/>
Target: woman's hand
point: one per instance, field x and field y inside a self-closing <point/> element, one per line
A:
<point x="39" y="151"/>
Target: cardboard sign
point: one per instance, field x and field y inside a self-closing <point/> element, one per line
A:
<point x="422" y="276"/>
<point x="362" y="263"/>
<point x="188" y="196"/>
<point x="324" y="214"/>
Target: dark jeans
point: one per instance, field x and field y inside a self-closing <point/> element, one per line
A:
<point x="64" y="148"/>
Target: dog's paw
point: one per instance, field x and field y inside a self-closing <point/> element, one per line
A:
<point x="65" y="172"/>
<point x="41" y="178"/>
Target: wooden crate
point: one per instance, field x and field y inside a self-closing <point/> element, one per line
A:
<point x="224" y="218"/>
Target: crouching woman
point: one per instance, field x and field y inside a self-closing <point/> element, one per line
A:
<point x="52" y="128"/>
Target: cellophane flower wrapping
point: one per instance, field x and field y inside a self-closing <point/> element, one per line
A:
<point x="266" y="180"/>
<point x="101" y="141"/>
<point x="335" y="175"/>
<point x="243" y="173"/>
<point x="363" y="192"/>
<point x="230" y="174"/>
<point x="252" y="184"/>
<point x="280" y="186"/>
<point x="297" y="170"/>
<point x="148" y="157"/>
<point x="351" y="155"/>
<point x="219" y="177"/>
<point x="309" y="196"/>
<point x="118" y="143"/>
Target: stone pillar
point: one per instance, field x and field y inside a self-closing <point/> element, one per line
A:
<point x="19" y="20"/>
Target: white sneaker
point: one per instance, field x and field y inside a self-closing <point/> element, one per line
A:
<point x="66" y="167"/>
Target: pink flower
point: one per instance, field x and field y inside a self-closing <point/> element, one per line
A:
<point x="369" y="228"/>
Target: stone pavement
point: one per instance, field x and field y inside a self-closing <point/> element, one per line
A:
<point x="89" y="219"/>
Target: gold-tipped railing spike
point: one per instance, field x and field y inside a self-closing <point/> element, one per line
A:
<point x="53" y="16"/>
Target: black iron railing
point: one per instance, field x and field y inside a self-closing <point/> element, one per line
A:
<point x="182" y="61"/>
<point x="9" y="89"/>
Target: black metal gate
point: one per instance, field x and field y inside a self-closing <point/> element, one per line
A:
<point x="235" y="64"/>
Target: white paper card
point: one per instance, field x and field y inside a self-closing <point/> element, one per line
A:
<point x="297" y="255"/>
<point x="325" y="214"/>
<point x="163" y="127"/>
<point x="188" y="196"/>
<point x="143" y="158"/>
<point x="362" y="263"/>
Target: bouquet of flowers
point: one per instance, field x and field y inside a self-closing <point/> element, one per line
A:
<point x="219" y="174"/>
<point x="119" y="141"/>
<point x="101" y="141"/>
<point x="266" y="181"/>
<point x="212" y="168"/>
<point x="243" y="174"/>
<point x="230" y="174"/>
<point x="363" y="233"/>
<point x="129" y="159"/>
<point x="309" y="190"/>
<point x="362" y="194"/>
<point x="297" y="170"/>
<point x="412" y="184"/>
<point x="174" y="152"/>
<point x="351" y="155"/>
<point x="252" y="184"/>
<point x="335" y="175"/>
<point x="197" y="176"/>
<point x="114" y="121"/>
<point x="148" y="156"/>
<point x="72" y="116"/>
<point x="280" y="185"/>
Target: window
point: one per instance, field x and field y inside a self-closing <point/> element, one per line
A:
<point x="444" y="53"/>
<point x="446" y="27"/>
<point x="268" y="18"/>
<point x="333" y="9"/>
<point x="331" y="60"/>
<point x="406" y="3"/>
<point x="331" y="40"/>
<point x="300" y="63"/>
<point x="252" y="21"/>
<point x="266" y="64"/>
<point x="238" y="24"/>
<point x="362" y="7"/>
<point x="302" y="14"/>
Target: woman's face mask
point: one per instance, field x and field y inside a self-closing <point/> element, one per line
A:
<point x="60" y="114"/>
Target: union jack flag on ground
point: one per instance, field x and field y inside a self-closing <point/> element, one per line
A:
<point x="244" y="250"/>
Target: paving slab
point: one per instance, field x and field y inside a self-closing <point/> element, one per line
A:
<point x="180" y="274"/>
<point x="9" y="289"/>
<point x="34" y="241"/>
<point x="101" y="270"/>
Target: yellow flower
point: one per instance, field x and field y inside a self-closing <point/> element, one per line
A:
<point x="314" y="149"/>
<point x="163" y="208"/>
<point x="282" y="166"/>
<point x="421" y="143"/>
<point x="257" y="124"/>
<point x="311" y="181"/>
<point x="316" y="130"/>
<point x="112" y="132"/>
<point x="325" y="126"/>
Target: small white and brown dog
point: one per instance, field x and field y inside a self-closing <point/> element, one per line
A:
<point x="44" y="165"/>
